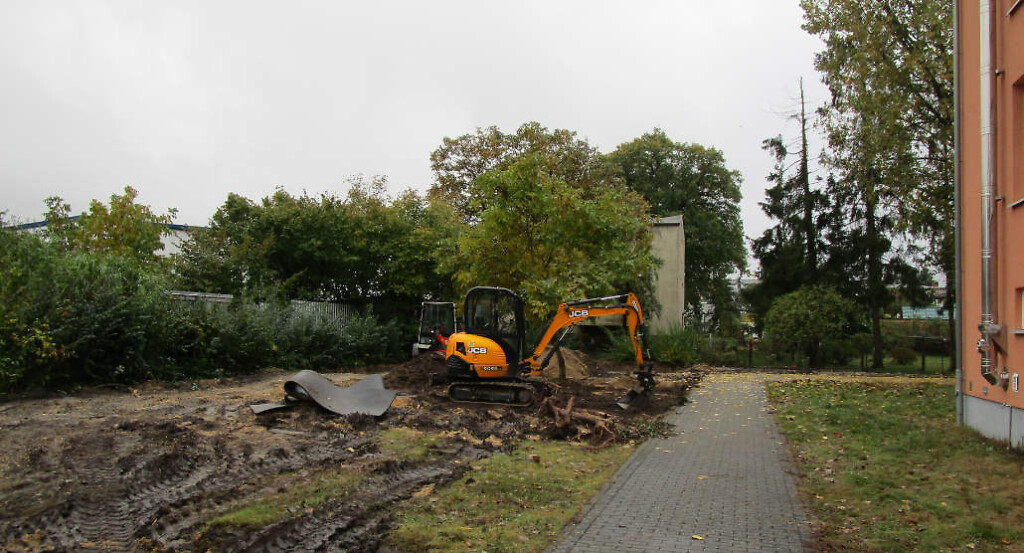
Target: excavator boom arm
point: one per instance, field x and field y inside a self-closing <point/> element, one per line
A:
<point x="571" y="313"/>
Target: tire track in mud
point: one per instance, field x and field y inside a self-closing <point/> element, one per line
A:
<point x="357" y="524"/>
<point x="129" y="473"/>
<point x="150" y="482"/>
<point x="93" y="513"/>
<point x="185" y="509"/>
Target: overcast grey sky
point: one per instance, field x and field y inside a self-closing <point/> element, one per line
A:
<point x="188" y="101"/>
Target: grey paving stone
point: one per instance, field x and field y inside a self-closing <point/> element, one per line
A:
<point x="723" y="475"/>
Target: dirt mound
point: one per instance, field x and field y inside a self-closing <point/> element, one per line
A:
<point x="161" y="468"/>
<point x="413" y="375"/>
<point x="574" y="364"/>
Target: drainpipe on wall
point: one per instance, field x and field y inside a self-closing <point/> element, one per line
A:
<point x="958" y="271"/>
<point x="988" y="326"/>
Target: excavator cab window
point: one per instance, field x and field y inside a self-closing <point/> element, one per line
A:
<point x="496" y="313"/>
<point x="436" y="319"/>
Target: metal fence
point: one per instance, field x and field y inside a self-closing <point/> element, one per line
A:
<point x="324" y="312"/>
<point x="320" y="312"/>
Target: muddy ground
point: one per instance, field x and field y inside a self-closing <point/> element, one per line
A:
<point x="146" y="469"/>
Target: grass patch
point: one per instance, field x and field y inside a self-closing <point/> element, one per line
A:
<point x="409" y="444"/>
<point x="887" y="468"/>
<point x="508" y="503"/>
<point x="296" y="492"/>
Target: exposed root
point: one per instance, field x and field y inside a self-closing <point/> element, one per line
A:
<point x="600" y="423"/>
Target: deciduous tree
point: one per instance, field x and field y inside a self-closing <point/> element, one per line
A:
<point x="889" y="67"/>
<point x="364" y="247"/>
<point x="692" y="180"/>
<point x="552" y="240"/>
<point x="459" y="162"/>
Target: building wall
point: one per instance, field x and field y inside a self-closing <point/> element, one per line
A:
<point x="172" y="241"/>
<point x="992" y="410"/>
<point x="670" y="247"/>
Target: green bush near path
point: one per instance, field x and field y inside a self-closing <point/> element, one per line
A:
<point x="886" y="467"/>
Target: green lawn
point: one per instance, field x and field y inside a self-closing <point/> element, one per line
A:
<point x="515" y="503"/>
<point x="886" y="467"/>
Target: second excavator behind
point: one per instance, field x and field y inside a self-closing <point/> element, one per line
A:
<point x="488" y="362"/>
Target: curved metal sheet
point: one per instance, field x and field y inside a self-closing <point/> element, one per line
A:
<point x="368" y="396"/>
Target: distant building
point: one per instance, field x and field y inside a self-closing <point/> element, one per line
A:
<point x="990" y="199"/>
<point x="921" y="313"/>
<point x="172" y="242"/>
<point x="669" y="281"/>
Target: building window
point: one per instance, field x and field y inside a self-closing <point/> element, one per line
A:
<point x="1017" y="142"/>
<point x="1019" y="299"/>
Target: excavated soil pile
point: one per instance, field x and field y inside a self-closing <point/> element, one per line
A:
<point x="150" y="468"/>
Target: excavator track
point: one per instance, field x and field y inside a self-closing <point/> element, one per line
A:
<point x="499" y="393"/>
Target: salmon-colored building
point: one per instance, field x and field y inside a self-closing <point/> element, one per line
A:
<point x="990" y="211"/>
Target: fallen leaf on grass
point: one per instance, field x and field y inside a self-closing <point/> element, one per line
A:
<point x="424" y="491"/>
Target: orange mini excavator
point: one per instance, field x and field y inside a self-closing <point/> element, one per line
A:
<point x="487" y="361"/>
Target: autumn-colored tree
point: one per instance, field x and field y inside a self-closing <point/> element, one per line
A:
<point x="124" y="227"/>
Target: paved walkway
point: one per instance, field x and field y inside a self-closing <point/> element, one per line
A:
<point x="725" y="476"/>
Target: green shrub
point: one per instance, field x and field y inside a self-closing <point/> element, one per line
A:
<point x="903" y="355"/>
<point x="26" y="342"/>
<point x="683" y="346"/>
<point x="75" y="318"/>
<point x="69" y="319"/>
<point x="677" y="346"/>
<point x="802" y="321"/>
<point x="836" y="352"/>
<point x="110" y="315"/>
<point x="246" y="337"/>
<point x="366" y="340"/>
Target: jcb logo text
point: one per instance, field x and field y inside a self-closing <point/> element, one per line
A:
<point x="481" y="351"/>
<point x="579" y="313"/>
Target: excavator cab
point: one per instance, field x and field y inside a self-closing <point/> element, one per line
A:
<point x="497" y="314"/>
<point x="484" y="360"/>
<point x="437" y="322"/>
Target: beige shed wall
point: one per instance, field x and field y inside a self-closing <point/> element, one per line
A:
<point x="670" y="247"/>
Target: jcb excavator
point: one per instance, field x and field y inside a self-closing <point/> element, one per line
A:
<point x="488" y="362"/>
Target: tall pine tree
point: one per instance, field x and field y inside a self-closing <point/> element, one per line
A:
<point x="788" y="253"/>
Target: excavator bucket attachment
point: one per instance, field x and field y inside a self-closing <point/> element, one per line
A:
<point x="628" y="399"/>
<point x="643" y="389"/>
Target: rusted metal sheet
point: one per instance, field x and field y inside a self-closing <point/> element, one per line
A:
<point x="368" y="396"/>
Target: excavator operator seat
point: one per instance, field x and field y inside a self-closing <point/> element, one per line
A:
<point x="496" y="313"/>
